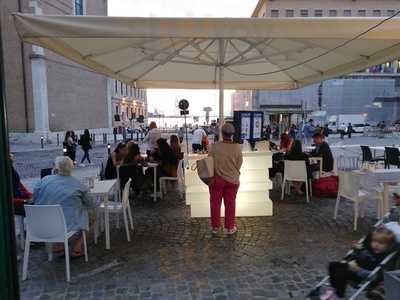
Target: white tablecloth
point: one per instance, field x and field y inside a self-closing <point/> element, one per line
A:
<point x="373" y="180"/>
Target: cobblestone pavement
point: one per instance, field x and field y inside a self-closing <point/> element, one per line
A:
<point x="172" y="256"/>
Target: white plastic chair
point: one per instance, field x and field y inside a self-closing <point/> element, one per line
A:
<point x="296" y="170"/>
<point x="20" y="230"/>
<point x="350" y="188"/>
<point x="116" y="207"/>
<point x="180" y="178"/>
<point x="46" y="223"/>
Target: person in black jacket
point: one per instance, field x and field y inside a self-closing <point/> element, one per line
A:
<point x="323" y="150"/>
<point x="86" y="144"/>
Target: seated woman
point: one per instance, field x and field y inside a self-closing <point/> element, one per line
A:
<point x="71" y="194"/>
<point x="285" y="143"/>
<point x="21" y="195"/>
<point x="168" y="159"/>
<point x="296" y="153"/>
<point x="114" y="160"/>
<point x="135" y="161"/>
<point x="176" y="146"/>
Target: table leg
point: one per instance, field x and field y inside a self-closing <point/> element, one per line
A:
<point x="107" y="222"/>
<point x="385" y="204"/>
<point x="155" y="185"/>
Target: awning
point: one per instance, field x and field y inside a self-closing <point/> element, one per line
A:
<point x="281" y="53"/>
<point x="186" y="52"/>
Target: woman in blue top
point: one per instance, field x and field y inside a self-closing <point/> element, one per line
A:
<point x="71" y="194"/>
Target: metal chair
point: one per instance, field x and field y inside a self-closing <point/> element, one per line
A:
<point x="367" y="155"/>
<point x="392" y="157"/>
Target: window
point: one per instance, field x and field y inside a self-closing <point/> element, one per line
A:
<point x="115" y="86"/>
<point x="303" y="13"/>
<point x="333" y="13"/>
<point x="376" y="12"/>
<point x="126" y="90"/>
<point x="391" y="12"/>
<point x="274" y="13"/>
<point x="289" y="13"/>
<point x="318" y="13"/>
<point x="79" y="7"/>
<point x="347" y="13"/>
<point x="361" y="13"/>
<point x="121" y="88"/>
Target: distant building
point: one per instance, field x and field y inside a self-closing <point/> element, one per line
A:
<point x="48" y="94"/>
<point x="129" y="105"/>
<point x="242" y="100"/>
<point x="350" y="94"/>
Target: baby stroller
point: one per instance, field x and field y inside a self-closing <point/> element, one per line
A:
<point x="376" y="276"/>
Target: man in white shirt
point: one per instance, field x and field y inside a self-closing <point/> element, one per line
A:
<point x="152" y="137"/>
<point x="197" y="139"/>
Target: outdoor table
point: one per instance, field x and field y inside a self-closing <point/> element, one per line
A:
<point x="153" y="165"/>
<point x="103" y="189"/>
<point x="373" y="180"/>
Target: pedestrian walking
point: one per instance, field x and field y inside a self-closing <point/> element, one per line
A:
<point x="228" y="159"/>
<point x="308" y="132"/>
<point x="70" y="145"/>
<point x="86" y="144"/>
<point x="349" y="130"/>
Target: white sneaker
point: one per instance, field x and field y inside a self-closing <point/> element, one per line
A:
<point x="214" y="230"/>
<point x="231" y="231"/>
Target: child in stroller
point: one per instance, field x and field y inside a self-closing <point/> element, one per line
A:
<point x="365" y="258"/>
<point x="362" y="266"/>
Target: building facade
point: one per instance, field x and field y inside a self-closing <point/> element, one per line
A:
<point x="128" y="105"/>
<point x="242" y="100"/>
<point x="351" y="94"/>
<point x="47" y="93"/>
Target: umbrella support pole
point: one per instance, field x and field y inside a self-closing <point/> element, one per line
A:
<point x="221" y="86"/>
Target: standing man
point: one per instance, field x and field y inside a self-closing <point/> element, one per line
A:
<point x="308" y="132"/>
<point x="152" y="137"/>
<point x="197" y="139"/>
<point x="349" y="130"/>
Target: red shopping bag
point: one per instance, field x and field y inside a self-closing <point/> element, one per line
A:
<point x="326" y="187"/>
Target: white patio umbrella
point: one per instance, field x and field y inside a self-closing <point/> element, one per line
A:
<point x="217" y="53"/>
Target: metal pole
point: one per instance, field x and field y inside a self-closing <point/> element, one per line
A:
<point x="187" y="140"/>
<point x="221" y="86"/>
<point x="9" y="288"/>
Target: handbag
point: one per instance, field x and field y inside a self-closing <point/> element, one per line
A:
<point x="205" y="170"/>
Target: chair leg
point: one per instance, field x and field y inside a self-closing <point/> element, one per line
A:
<point x="130" y="216"/>
<point x="310" y="186"/>
<point x="307" y="195"/>
<point x="22" y="233"/>
<point x="85" y="246"/>
<point x="26" y="259"/>
<point x="49" y="248"/>
<point x="66" y="250"/>
<point x="356" y="210"/>
<point x="283" y="188"/>
<point x="335" y="213"/>
<point x="128" y="236"/>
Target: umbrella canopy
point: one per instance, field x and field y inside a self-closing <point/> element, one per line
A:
<point x="200" y="53"/>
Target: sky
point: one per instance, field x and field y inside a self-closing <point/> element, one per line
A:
<point x="164" y="100"/>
